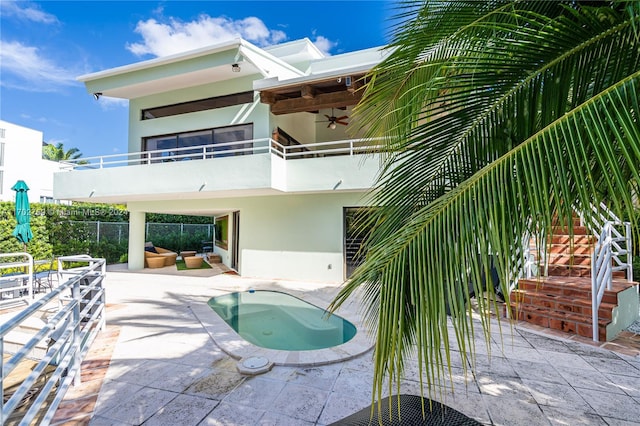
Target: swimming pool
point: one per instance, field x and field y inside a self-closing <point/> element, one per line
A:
<point x="276" y="320"/>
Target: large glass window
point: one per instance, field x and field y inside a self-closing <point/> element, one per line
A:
<point x="224" y="136"/>
<point x="198" y="105"/>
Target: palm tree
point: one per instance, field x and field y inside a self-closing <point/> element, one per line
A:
<point x="57" y="152"/>
<point x="497" y="118"/>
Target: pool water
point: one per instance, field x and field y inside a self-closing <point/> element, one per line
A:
<point x="275" y="320"/>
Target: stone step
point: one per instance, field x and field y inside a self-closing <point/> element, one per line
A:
<point x="557" y="320"/>
<point x="15" y="341"/>
<point x="569" y="271"/>
<point x="569" y="304"/>
<point x="575" y="249"/>
<point x="577" y="230"/>
<point x="577" y="287"/>
<point x="576" y="239"/>
<point x="574" y="259"/>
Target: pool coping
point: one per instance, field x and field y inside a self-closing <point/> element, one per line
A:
<point x="238" y="348"/>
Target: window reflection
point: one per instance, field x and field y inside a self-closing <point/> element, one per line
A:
<point x="172" y="147"/>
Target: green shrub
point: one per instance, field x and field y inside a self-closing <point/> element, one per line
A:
<point x="59" y="230"/>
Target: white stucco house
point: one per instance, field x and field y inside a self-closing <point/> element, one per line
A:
<point x="256" y="137"/>
<point x="21" y="159"/>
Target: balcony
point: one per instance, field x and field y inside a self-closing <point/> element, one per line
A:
<point x="243" y="168"/>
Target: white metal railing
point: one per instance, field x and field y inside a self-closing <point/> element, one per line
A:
<point x="601" y="273"/>
<point x="620" y="233"/>
<point x="16" y="286"/>
<point x="612" y="252"/>
<point x="219" y="150"/>
<point x="63" y="341"/>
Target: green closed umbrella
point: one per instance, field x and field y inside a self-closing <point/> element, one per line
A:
<point x="23" y="213"/>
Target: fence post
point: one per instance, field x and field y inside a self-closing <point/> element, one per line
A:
<point x="77" y="380"/>
<point x="97" y="231"/>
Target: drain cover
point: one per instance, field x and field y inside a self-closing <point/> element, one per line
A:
<point x="254" y="365"/>
<point x="255" y="362"/>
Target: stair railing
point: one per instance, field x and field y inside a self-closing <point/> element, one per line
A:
<point x="612" y="252"/>
<point x="601" y="273"/>
<point x="621" y="249"/>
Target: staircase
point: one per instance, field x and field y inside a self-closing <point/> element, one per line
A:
<point x="562" y="299"/>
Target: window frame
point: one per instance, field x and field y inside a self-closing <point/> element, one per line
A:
<point x="198" y="105"/>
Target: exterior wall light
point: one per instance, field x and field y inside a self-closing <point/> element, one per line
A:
<point x="235" y="68"/>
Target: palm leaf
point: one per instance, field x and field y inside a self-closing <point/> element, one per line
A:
<point x="492" y="128"/>
<point x="413" y="274"/>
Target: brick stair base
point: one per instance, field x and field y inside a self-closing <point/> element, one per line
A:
<point x="563" y="303"/>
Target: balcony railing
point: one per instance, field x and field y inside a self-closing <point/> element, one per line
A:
<point x="75" y="315"/>
<point x="229" y="149"/>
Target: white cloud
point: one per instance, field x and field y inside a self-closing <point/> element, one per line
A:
<point x="24" y="68"/>
<point x="27" y="11"/>
<point x="162" y="39"/>
<point x="324" y="44"/>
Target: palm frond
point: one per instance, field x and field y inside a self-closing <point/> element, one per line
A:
<point x="498" y="117"/>
<point x="413" y="277"/>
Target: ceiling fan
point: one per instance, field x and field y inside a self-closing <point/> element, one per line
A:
<point x="333" y="120"/>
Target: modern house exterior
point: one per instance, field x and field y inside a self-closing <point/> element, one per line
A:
<point x="256" y="137"/>
<point x="21" y="159"/>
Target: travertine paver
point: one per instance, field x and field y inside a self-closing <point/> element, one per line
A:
<point x="166" y="369"/>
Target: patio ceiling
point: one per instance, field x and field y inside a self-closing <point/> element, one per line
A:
<point x="311" y="96"/>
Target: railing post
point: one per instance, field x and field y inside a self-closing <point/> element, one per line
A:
<point x="594" y="294"/>
<point x="2" y="381"/>
<point x="627" y="235"/>
<point x="76" y="332"/>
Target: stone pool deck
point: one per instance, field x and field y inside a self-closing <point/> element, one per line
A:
<point x="158" y="364"/>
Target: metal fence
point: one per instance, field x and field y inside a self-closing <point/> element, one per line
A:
<point x="55" y="349"/>
<point x="119" y="231"/>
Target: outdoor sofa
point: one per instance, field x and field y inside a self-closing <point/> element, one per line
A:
<point x="157" y="257"/>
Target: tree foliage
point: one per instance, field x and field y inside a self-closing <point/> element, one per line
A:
<point x="57" y="152"/>
<point x="497" y="117"/>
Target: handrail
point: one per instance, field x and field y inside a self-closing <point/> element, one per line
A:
<point x="601" y="273"/>
<point x="67" y="337"/>
<point x="204" y="152"/>
<point x="612" y="246"/>
<point x="621" y="242"/>
<point x="20" y="284"/>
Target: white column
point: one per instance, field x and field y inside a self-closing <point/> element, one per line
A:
<point x="137" y="221"/>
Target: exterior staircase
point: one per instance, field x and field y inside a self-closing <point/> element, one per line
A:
<point x="561" y="299"/>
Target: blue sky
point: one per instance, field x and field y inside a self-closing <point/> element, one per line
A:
<point x="46" y="45"/>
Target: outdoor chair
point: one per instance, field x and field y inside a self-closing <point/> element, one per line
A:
<point x="44" y="279"/>
<point x="150" y="252"/>
<point x="410" y="414"/>
<point x="207" y="247"/>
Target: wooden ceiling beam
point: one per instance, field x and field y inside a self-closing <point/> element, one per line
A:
<point x="308" y="92"/>
<point x="320" y="101"/>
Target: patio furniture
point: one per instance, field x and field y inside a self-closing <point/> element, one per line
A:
<point x="187" y="253"/>
<point x="193" y="262"/>
<point x="155" y="262"/>
<point x="207" y="247"/>
<point x="150" y="251"/>
<point x="43" y="279"/>
<point x="436" y="413"/>
<point x="214" y="258"/>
